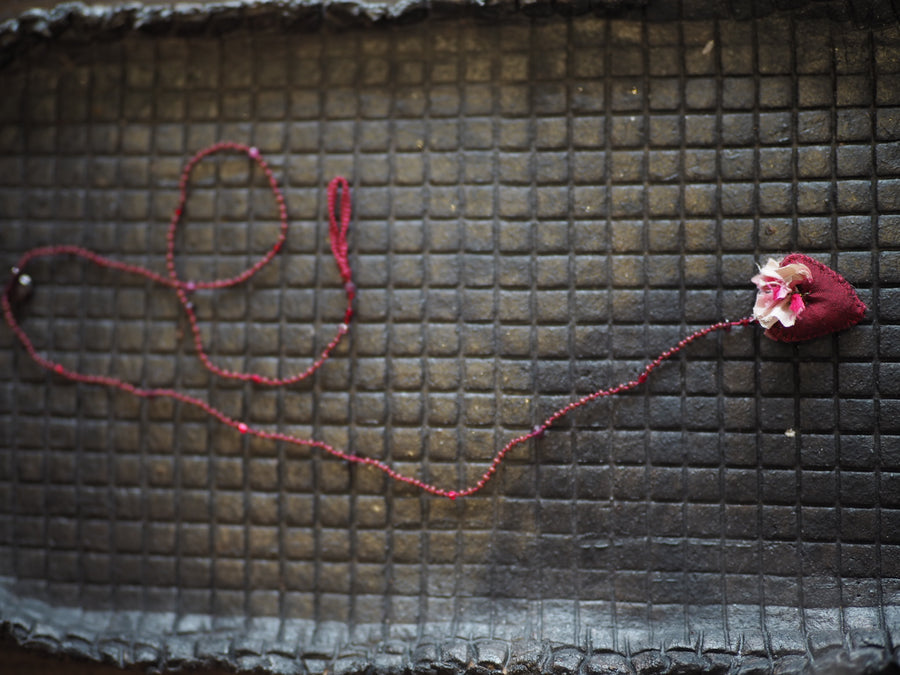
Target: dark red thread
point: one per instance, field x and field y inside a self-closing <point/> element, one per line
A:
<point x="338" y="191"/>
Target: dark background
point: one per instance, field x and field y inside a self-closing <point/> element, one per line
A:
<point x="542" y="203"/>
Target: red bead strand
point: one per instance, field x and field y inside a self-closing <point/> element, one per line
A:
<point x="339" y="213"/>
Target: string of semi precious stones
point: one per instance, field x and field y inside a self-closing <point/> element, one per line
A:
<point x="798" y="299"/>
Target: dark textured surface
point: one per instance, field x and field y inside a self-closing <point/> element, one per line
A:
<point x="541" y="204"/>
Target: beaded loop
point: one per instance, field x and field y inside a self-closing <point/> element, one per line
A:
<point x="183" y="288"/>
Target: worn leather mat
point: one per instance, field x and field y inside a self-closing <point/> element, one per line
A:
<point x="542" y="203"/>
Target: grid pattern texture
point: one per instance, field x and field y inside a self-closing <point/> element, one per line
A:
<point x="540" y="206"/>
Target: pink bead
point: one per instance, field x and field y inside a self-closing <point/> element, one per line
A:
<point x="243" y="428"/>
<point x="253" y="152"/>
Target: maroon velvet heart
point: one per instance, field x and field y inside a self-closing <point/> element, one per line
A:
<point x="831" y="304"/>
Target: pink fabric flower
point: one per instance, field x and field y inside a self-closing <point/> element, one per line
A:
<point x="777" y="299"/>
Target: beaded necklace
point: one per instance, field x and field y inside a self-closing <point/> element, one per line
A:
<point x="792" y="306"/>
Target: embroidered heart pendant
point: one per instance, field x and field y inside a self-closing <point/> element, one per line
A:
<point x="829" y="304"/>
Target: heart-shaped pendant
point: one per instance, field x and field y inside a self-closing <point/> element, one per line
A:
<point x="830" y="304"/>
